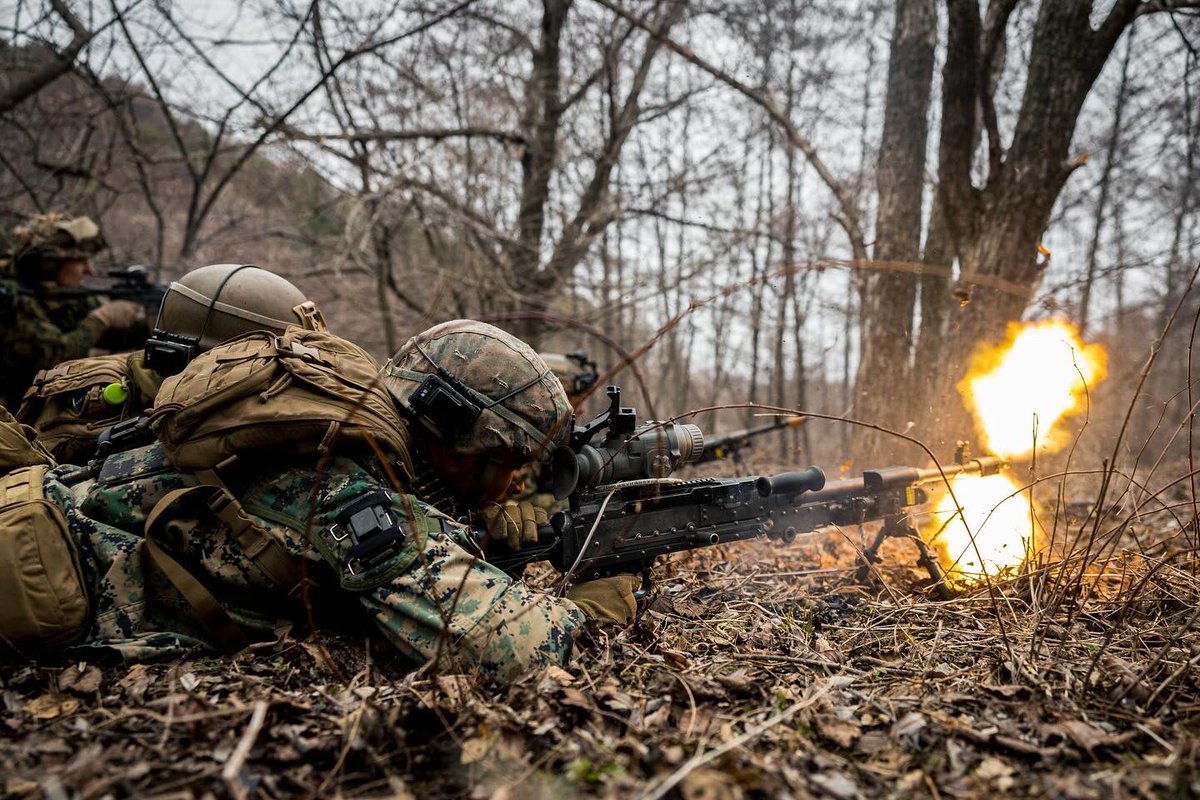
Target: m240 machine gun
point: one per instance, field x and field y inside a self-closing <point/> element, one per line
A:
<point x="626" y="511"/>
<point x="730" y="445"/>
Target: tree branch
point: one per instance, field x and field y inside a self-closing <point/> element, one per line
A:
<point x="281" y="119"/>
<point x="58" y="66"/>
<point x="995" y="24"/>
<point x="499" y="135"/>
<point x="844" y="194"/>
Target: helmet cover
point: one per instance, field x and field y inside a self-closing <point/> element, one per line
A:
<point x="45" y="240"/>
<point x="523" y="411"/>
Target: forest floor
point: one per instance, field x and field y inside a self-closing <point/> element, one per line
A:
<point x="754" y="670"/>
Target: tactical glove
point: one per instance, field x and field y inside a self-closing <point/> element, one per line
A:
<point x="118" y="315"/>
<point x="607" y="599"/>
<point x="514" y="522"/>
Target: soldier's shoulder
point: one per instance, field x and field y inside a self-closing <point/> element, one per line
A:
<point x="299" y="490"/>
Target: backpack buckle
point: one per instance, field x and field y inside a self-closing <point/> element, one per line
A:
<point x="304" y="352"/>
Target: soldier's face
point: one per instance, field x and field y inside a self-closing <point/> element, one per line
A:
<point x="72" y="272"/>
<point x="476" y="479"/>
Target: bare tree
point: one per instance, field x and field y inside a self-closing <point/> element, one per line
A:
<point x="57" y="64"/>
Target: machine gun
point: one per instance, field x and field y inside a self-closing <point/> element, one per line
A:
<point x="626" y="511"/>
<point x="731" y="444"/>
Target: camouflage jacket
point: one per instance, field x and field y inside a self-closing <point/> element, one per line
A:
<point x="37" y="332"/>
<point x="434" y="599"/>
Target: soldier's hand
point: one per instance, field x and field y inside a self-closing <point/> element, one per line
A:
<point x="607" y="599"/>
<point x="516" y="523"/>
<point x="118" y="315"/>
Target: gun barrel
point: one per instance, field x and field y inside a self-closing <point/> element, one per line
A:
<point x="720" y="446"/>
<point x="897" y="476"/>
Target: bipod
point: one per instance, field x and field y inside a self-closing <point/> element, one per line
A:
<point x="898" y="527"/>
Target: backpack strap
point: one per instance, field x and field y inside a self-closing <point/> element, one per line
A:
<point x="258" y="545"/>
<point x="212" y="617"/>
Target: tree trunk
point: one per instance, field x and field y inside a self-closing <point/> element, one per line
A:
<point x="888" y="296"/>
<point x="996" y="229"/>
<point x="1110" y="162"/>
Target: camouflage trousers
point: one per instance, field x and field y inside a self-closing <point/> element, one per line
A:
<point x="435" y="599"/>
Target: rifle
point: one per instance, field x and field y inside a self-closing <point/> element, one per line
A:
<point x="625" y="511"/>
<point x="731" y="444"/>
<point x="129" y="283"/>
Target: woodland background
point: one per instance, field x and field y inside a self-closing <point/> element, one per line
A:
<point x="815" y="204"/>
<point x="822" y="205"/>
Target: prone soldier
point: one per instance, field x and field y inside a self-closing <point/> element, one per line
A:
<point x="71" y="404"/>
<point x="175" y="557"/>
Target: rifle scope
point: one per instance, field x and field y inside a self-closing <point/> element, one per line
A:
<point x="654" y="450"/>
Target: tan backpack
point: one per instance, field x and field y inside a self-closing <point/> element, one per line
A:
<point x="68" y="405"/>
<point x="301" y="392"/>
<point x="43" y="601"/>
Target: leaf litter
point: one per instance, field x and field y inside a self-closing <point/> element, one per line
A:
<point x="752" y="671"/>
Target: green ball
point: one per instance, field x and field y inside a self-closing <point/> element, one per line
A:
<point x="115" y="394"/>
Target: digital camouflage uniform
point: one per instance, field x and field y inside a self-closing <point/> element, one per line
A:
<point x="38" y="329"/>
<point x="435" y="597"/>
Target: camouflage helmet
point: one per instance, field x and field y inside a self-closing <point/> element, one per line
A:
<point x="45" y="240"/>
<point x="214" y="304"/>
<point x="480" y="390"/>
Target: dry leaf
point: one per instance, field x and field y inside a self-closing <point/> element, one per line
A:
<point x="1087" y="737"/>
<point x="708" y="784"/>
<point x="842" y="732"/>
<point x="836" y="784"/>
<point x="553" y="677"/>
<point x="14" y="787"/>
<point x="995" y="772"/>
<point x="474" y="749"/>
<point x="319" y="655"/>
<point x="910" y="724"/>
<point x="83" y="681"/>
<point x="49" y="706"/>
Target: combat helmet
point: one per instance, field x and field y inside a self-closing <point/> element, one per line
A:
<point x="45" y="240"/>
<point x="214" y="304"/>
<point x="479" y="390"/>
